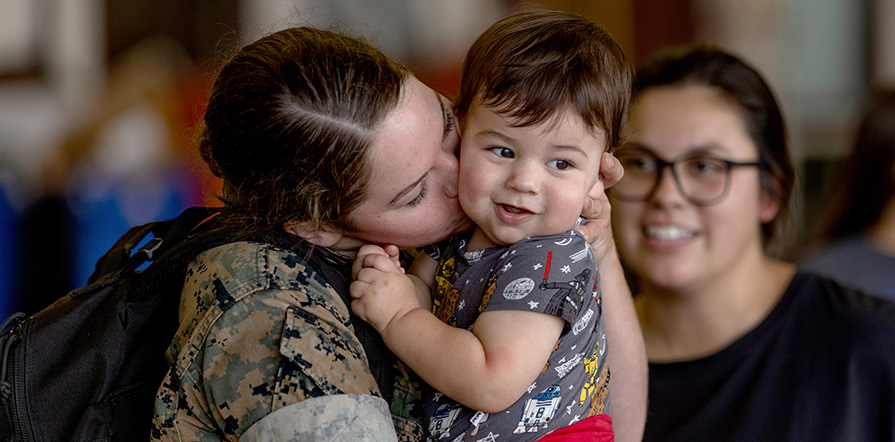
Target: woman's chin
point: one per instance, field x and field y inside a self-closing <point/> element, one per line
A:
<point x="668" y="276"/>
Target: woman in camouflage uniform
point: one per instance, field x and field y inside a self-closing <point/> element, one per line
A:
<point x="323" y="144"/>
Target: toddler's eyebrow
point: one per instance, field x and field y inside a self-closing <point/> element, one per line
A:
<point x="569" y="147"/>
<point x="496" y="134"/>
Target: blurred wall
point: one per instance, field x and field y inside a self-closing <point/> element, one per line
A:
<point x="70" y="100"/>
<point x="881" y="41"/>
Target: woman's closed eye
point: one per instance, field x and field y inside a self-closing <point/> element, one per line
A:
<point x="424" y="189"/>
<point x="449" y="124"/>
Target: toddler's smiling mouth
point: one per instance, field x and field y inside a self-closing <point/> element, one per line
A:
<point x="514" y="209"/>
<point x="513" y="214"/>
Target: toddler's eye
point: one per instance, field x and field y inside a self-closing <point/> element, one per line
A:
<point x="559" y="164"/>
<point x="503" y="152"/>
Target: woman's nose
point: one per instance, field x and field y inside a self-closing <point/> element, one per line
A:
<point x="667" y="189"/>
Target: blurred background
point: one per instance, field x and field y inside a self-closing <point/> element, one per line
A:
<point x="98" y="97"/>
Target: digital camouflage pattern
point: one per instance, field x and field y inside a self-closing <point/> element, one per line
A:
<point x="338" y="418"/>
<point x="261" y="332"/>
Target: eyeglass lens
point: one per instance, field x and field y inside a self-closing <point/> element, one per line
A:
<point x="700" y="179"/>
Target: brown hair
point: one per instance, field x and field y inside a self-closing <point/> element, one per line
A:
<point x="534" y="62"/>
<point x="864" y="182"/>
<point x="289" y="122"/>
<point x="745" y="87"/>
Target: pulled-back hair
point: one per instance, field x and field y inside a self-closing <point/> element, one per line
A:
<point x="747" y="90"/>
<point x="289" y="122"/>
<point x="534" y="63"/>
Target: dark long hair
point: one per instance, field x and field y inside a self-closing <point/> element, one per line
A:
<point x="864" y="182"/>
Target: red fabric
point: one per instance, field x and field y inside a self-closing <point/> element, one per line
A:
<point x="596" y="428"/>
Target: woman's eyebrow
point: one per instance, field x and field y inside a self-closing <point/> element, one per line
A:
<point x="635" y="145"/>
<point x="407" y="189"/>
<point x="706" y="148"/>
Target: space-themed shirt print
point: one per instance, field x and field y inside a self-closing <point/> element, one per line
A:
<point x="556" y="275"/>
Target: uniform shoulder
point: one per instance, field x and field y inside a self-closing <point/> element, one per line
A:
<point x="258" y="266"/>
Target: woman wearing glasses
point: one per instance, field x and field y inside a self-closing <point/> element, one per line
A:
<point x="741" y="345"/>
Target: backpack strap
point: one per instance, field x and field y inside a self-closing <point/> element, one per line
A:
<point x="195" y="231"/>
<point x="175" y="232"/>
<point x="338" y="274"/>
<point x="166" y="235"/>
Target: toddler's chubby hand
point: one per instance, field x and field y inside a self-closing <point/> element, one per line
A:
<point x="380" y="289"/>
<point x="390" y="251"/>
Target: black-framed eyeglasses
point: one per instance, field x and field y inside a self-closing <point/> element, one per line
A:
<point x="702" y="179"/>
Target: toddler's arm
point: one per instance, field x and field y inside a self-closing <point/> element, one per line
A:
<point x="487" y="369"/>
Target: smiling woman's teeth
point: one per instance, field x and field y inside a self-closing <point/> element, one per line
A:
<point x="668" y="233"/>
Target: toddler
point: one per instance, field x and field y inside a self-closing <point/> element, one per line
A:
<point x="516" y="347"/>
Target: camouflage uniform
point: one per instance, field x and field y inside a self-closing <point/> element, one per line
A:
<point x="266" y="349"/>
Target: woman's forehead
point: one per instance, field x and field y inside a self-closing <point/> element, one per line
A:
<point x="682" y="118"/>
<point x="407" y="140"/>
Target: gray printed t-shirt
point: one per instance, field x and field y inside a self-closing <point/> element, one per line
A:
<point x="556" y="275"/>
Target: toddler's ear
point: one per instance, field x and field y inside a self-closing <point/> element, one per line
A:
<point x="323" y="235"/>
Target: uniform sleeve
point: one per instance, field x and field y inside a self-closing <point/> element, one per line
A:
<point x="278" y="349"/>
<point x="270" y="336"/>
<point x="342" y="418"/>
<point x="550" y="275"/>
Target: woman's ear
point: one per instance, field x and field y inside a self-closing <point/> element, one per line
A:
<point x="769" y="208"/>
<point x="769" y="203"/>
<point x="322" y="235"/>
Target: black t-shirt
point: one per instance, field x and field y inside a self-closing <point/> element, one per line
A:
<point x="820" y="367"/>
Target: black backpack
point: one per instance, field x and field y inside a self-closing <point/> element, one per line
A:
<point x="88" y="366"/>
